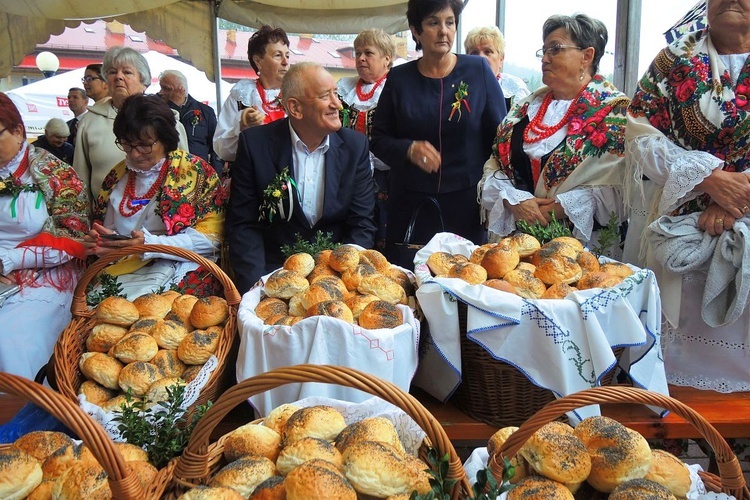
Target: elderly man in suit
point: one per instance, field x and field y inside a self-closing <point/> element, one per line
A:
<point x="330" y="187"/>
<point x="78" y="102"/>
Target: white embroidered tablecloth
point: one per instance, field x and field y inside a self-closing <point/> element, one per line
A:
<point x="390" y="354"/>
<point x="561" y="345"/>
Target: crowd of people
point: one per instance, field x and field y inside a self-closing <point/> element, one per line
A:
<point x="358" y="157"/>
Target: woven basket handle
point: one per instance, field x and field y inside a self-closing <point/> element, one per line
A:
<point x="79" y="307"/>
<point x="193" y="464"/>
<point x="122" y="481"/>
<point x="732" y="479"/>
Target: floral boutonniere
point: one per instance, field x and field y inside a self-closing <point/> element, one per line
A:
<point x="461" y="94"/>
<point x="11" y="187"/>
<point x="195" y="119"/>
<point x="277" y="198"/>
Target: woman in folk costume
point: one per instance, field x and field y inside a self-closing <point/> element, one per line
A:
<point x="374" y="51"/>
<point x="689" y="152"/>
<point x="158" y="195"/>
<point x="560" y="150"/>
<point x="43" y="216"/>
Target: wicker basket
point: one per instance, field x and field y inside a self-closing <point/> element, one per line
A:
<point x="123" y="482"/>
<point x="496" y="392"/>
<point x="730" y="479"/>
<point x="200" y="460"/>
<point x="72" y="341"/>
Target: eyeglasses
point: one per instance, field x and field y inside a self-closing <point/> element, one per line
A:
<point x="555" y="49"/>
<point x="143" y="149"/>
<point x="3" y="130"/>
<point x="89" y="79"/>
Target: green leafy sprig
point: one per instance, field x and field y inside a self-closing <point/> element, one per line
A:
<point x="9" y="186"/>
<point x="608" y="236"/>
<point x="552" y="230"/>
<point x="274" y="195"/>
<point x="110" y="287"/>
<point x="321" y="242"/>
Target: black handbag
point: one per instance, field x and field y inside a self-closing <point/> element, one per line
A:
<point x="405" y="251"/>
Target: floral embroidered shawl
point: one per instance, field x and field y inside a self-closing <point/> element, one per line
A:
<point x="192" y="195"/>
<point x="595" y="139"/>
<point x="687" y="95"/>
<point x="67" y="204"/>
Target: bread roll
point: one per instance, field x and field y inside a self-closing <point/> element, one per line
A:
<point x="322" y="257"/>
<point x="271" y="306"/>
<point x="277" y="417"/>
<point x="323" y="422"/>
<point x="378" y="469"/>
<point x="203" y="492"/>
<point x="284" y="284"/>
<point x="43" y="491"/>
<point x="198" y="346"/>
<point x="101" y="368"/>
<point x="670" y="472"/>
<point x="554" y="248"/>
<point x="588" y="262"/>
<point x="209" y="311"/>
<point x="171" y="295"/>
<point x="357" y="302"/>
<point x="369" y="429"/>
<point x="377" y="259"/>
<point x="131" y="452"/>
<point x="526" y="285"/>
<point x="103" y="336"/>
<point x="41" y="444"/>
<point x="558" y="269"/>
<point x="618" y="454"/>
<point x="117" y="403"/>
<point x="116" y="311"/>
<point x="319" y="271"/>
<point x="560" y="456"/>
<point x="271" y="489"/>
<point x="383" y="288"/>
<point x="558" y="291"/>
<point x="321" y="291"/>
<point x="616" y="269"/>
<point x="135" y="346"/>
<point x="473" y="274"/>
<point x="380" y="314"/>
<point x="138" y="377"/>
<point x="64" y="458"/>
<point x="181" y="309"/>
<point x="304" y="450"/>
<point x="153" y="305"/>
<point x="526" y="266"/>
<point x="168" y="333"/>
<point x="144" y="471"/>
<point x="478" y="254"/>
<point x="343" y="258"/>
<point x="496" y="441"/>
<point x="401" y="278"/>
<point x="157" y="392"/>
<point x="191" y="372"/>
<point x="525" y="244"/>
<point x="168" y="363"/>
<point x="597" y="279"/>
<point x="252" y="439"/>
<point x="331" y="308"/>
<point x="570" y="241"/>
<point x="334" y="281"/>
<point x="440" y="263"/>
<point x="501" y="285"/>
<point x="95" y="393"/>
<point x="352" y="276"/>
<point x="499" y="260"/>
<point x="82" y="481"/>
<point x="244" y="474"/>
<point x="312" y="481"/>
<point x="641" y="489"/>
<point x="284" y="320"/>
<point x="537" y="488"/>
<point x="302" y="263"/>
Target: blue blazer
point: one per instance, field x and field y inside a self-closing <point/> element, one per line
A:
<point x="348" y="207"/>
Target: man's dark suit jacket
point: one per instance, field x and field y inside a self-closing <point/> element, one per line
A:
<point x="348" y="207"/>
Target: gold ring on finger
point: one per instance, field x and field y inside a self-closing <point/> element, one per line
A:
<point x="719" y="221"/>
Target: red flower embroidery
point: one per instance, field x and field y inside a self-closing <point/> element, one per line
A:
<point x="599" y="138"/>
<point x="678" y="74"/>
<point x="186" y="211"/>
<point x="741" y="96"/>
<point x="686" y="90"/>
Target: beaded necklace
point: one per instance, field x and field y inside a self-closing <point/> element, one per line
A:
<point x="366" y="96"/>
<point x="541" y="131"/>
<point x="130" y="204"/>
<point x="23" y="166"/>
<point x="273" y="109"/>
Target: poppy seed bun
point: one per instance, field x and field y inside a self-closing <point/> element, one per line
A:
<point x="313" y="481"/>
<point x="252" y="439"/>
<point x="131" y="452"/>
<point x="357" y="303"/>
<point x="96" y="393"/>
<point x="334" y="281"/>
<point x="473" y="274"/>
<point x="377" y="260"/>
<point x="588" y="262"/>
<point x="496" y="442"/>
<point x="670" y="472"/>
<point x="558" y="269"/>
<point x="641" y="489"/>
<point x="618" y="454"/>
<point x="271" y="489"/>
<point x="244" y="474"/>
<point x="370" y="429"/>
<point x="525" y="244"/>
<point x="100" y="368"/>
<point x="65" y="457"/>
<point x="190" y="373"/>
<point x="209" y="311"/>
<point x="43" y="491"/>
<point x="304" y="450"/>
<point x="401" y="278"/>
<point x="538" y="488"/>
<point x="526" y="285"/>
<point x="181" y="309"/>
<point x="157" y="392"/>
<point x="440" y="263"/>
<point x="321" y="291"/>
<point x="553" y="248"/>
<point x="283" y="284"/>
<point x="271" y="306"/>
<point x="153" y="305"/>
<point x="117" y="402"/>
<point x="331" y="308"/>
<point x="353" y="276"/>
<point x="378" y="469"/>
<point x="478" y="254"/>
<point x="168" y="363"/>
<point x="558" y="291"/>
<point x="323" y="422"/>
<point x="380" y="314"/>
<point x="526" y="266"/>
<point x="384" y="288"/>
<point x="169" y="333"/>
<point x="203" y="492"/>
<point x="276" y="418"/>
<point x="117" y="311"/>
<point x="103" y="336"/>
<point x="135" y="346"/>
<point x="198" y="346"/>
<point x="501" y="285"/>
<point x="597" y="279"/>
<point x="138" y="377"/>
<point x="144" y="471"/>
<point x="302" y="263"/>
<point x="499" y="260"/>
<point x="41" y="444"/>
<point x="556" y="455"/>
<point x="80" y="481"/>
<point x="570" y="241"/>
<point x="343" y="258"/>
<point x="616" y="269"/>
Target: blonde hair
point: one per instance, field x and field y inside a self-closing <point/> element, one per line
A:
<point x="485" y="34"/>
<point x="378" y="38"/>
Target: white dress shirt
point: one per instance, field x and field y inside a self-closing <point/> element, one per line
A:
<point x="309" y="173"/>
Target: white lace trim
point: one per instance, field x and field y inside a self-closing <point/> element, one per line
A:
<point x="246" y="92"/>
<point x="580" y="206"/>
<point x="192" y="391"/>
<point x="501" y="221"/>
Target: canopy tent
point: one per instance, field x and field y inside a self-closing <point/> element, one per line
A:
<point x="189" y="25"/>
<point x="48" y="98"/>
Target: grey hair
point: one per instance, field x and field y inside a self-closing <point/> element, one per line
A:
<point x="117" y="56"/>
<point x="293" y="84"/>
<point x="57" y="127"/>
<point x="585" y="31"/>
<point x="178" y="75"/>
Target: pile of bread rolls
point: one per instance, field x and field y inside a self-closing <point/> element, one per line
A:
<point x="519" y="264"/>
<point x="147" y="345"/>
<point x="356" y="286"/>
<point x="613" y="459"/>
<point x="42" y="465"/>
<point x="301" y="453"/>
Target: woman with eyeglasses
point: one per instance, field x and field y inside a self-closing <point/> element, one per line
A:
<point x="94" y="83"/>
<point x="127" y="73"/>
<point x="159" y="194"/>
<point x="559" y="152"/>
<point x="43" y="216"/>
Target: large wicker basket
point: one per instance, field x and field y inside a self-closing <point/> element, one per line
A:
<point x="72" y="341"/>
<point x="730" y="479"/>
<point x="122" y="481"/>
<point x="201" y="460"/>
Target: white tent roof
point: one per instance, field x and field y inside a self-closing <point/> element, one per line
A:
<point x="48" y="98"/>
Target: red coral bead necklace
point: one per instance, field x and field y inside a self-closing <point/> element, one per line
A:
<point x="132" y="204"/>
<point x="366" y="96"/>
<point x="541" y="131"/>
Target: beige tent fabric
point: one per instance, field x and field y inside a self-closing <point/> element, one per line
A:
<point x="19" y="35"/>
<point x="78" y="9"/>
